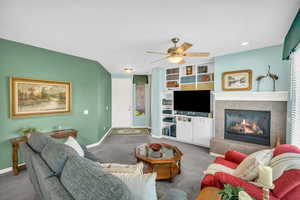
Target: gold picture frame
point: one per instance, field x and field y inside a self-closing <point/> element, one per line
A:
<point x="34" y="97"/>
<point x="237" y="80"/>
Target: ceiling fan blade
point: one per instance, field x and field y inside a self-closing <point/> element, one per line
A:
<point x="182" y="62"/>
<point x="197" y="54"/>
<point x="155" y="52"/>
<point x="185" y="46"/>
<point x="155" y="61"/>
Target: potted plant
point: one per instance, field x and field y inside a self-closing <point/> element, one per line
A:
<point x="26" y="131"/>
<point x="230" y="192"/>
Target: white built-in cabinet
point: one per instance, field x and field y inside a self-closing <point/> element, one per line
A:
<point x="194" y="130"/>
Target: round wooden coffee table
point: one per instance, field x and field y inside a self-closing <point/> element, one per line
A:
<point x="166" y="164"/>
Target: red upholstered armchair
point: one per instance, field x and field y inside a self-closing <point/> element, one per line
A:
<point x="287" y="186"/>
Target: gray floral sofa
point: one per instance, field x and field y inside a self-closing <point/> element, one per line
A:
<point x="57" y="172"/>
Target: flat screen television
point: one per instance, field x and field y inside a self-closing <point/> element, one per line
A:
<point x="193" y="101"/>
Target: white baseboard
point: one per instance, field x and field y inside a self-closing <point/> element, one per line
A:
<point x="149" y="127"/>
<point x="101" y="140"/>
<point x="155" y="136"/>
<point x="9" y="169"/>
<point x="216" y="154"/>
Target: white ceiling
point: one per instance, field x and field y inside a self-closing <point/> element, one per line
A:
<point x="117" y="33"/>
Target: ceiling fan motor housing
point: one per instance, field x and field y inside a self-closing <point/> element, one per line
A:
<point x="175" y="40"/>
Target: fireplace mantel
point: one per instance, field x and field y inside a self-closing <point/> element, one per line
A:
<point x="251" y="96"/>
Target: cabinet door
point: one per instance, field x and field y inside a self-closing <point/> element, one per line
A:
<point x="202" y="130"/>
<point x="179" y="129"/>
<point x="184" y="130"/>
<point x="188" y="131"/>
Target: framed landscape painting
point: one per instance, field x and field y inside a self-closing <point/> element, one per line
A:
<point x="33" y="97"/>
<point x="237" y="80"/>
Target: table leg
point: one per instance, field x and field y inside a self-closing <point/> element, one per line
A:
<point x="179" y="166"/>
<point x="15" y="159"/>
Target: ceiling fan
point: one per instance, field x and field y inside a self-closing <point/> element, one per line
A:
<point x="176" y="54"/>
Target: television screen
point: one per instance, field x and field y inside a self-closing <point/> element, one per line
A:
<point x="193" y="101"/>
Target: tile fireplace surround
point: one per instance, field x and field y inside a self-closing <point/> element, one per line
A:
<point x="275" y="102"/>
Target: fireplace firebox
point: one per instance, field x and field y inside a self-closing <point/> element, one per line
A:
<point x="248" y="126"/>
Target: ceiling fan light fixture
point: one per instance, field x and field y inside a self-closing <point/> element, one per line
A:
<point x="175" y="58"/>
<point x="128" y="70"/>
<point x="245" y="43"/>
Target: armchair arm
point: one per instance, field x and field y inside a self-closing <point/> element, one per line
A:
<point x="235" y="156"/>
<point x="222" y="178"/>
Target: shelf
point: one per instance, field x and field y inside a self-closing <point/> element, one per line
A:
<point x="172" y="74"/>
<point x="205" y="82"/>
<point x="169" y="122"/>
<point x="252" y="96"/>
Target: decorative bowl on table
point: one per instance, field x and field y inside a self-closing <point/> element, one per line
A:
<point x="155" y="146"/>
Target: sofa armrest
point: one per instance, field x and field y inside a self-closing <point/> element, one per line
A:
<point x="235" y="156"/>
<point x="174" y="194"/>
<point x="222" y="178"/>
<point x="286" y="183"/>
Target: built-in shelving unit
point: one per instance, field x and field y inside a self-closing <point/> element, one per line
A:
<point x="182" y="126"/>
<point x="191" y="77"/>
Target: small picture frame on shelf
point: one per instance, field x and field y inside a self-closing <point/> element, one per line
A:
<point x="202" y="69"/>
<point x="173" y="71"/>
<point x="189" y="70"/>
<point x="204" y="78"/>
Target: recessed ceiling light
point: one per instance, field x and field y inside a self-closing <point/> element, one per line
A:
<point x="245" y="43"/>
<point x="128" y="70"/>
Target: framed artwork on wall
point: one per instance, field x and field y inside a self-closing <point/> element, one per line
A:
<point x="237" y="80"/>
<point x="33" y="97"/>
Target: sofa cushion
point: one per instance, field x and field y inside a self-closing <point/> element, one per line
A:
<point x="222" y="161"/>
<point x="88" y="154"/>
<point x="85" y="180"/>
<point x="50" y="186"/>
<point x="37" y="141"/>
<point x="141" y="186"/>
<point x="235" y="156"/>
<point x="28" y="154"/>
<point x="71" y="142"/>
<point x="55" y="155"/>
<point x="249" y="167"/>
<point x="285" y="148"/>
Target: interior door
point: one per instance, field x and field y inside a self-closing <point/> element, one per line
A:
<point x="141" y="105"/>
<point x="121" y="102"/>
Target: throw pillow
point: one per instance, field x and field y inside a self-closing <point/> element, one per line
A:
<point x="71" y="142"/>
<point x="123" y="168"/>
<point x="142" y="187"/>
<point x="285" y="148"/>
<point x="249" y="167"/>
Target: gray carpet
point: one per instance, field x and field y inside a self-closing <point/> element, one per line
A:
<point x="119" y="149"/>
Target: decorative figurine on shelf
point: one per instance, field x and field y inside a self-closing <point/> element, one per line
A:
<point x="274" y="77"/>
<point x="265" y="179"/>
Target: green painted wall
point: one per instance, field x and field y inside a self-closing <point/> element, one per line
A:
<point x="91" y="85"/>
<point x="257" y="60"/>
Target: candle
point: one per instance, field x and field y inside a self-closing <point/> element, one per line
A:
<point x="244" y="196"/>
<point x="265" y="177"/>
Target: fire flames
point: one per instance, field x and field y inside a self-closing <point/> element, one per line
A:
<point x="246" y="127"/>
